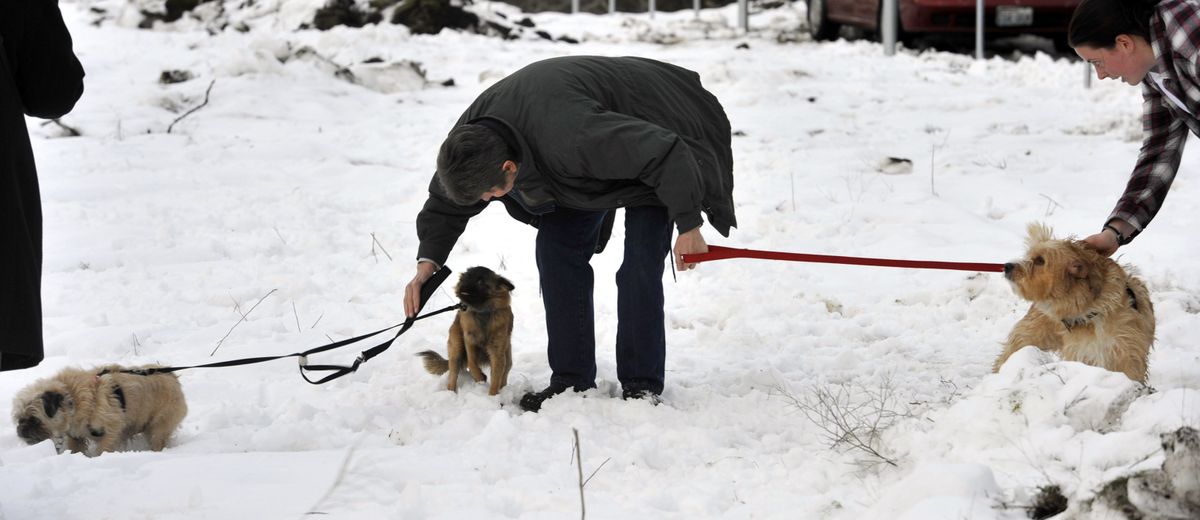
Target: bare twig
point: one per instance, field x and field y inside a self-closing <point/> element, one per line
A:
<point x="136" y="344"/>
<point x="579" y="467"/>
<point x="239" y="322"/>
<point x="793" y="176"/>
<point x="933" y="148"/>
<point x="236" y="306"/>
<point x="1051" y="205"/>
<point x="375" y="241"/>
<point x="954" y="391"/>
<point x="193" y="110"/>
<point x="314" y="325"/>
<point x="71" y="131"/>
<point x="280" y="235"/>
<point x="932" y="163"/>
<point x="852" y="420"/>
<point x="589" y="479"/>
<point x="297" y="315"/>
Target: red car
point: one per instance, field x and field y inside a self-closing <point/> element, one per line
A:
<point x="1044" y="17"/>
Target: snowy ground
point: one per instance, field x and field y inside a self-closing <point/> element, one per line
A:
<point x="156" y="244"/>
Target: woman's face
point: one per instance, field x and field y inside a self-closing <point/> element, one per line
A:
<point x="1129" y="59"/>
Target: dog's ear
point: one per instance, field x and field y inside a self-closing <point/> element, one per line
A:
<point x="1036" y="233"/>
<point x="1077" y="269"/>
<point x="505" y="283"/>
<point x="51" y="402"/>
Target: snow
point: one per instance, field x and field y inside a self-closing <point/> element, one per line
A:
<point x="295" y="181"/>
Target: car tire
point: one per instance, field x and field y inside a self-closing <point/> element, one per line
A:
<point x="819" y="25"/>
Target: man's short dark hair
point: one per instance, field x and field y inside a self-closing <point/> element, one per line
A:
<point x="471" y="163"/>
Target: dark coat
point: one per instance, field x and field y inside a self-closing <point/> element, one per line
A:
<point x="600" y="133"/>
<point x="39" y="77"/>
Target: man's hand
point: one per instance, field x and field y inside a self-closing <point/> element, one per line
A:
<point x="687" y="243"/>
<point x="412" y="292"/>
<point x="1106" y="241"/>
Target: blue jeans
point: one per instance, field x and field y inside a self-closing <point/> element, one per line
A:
<point x="566" y="240"/>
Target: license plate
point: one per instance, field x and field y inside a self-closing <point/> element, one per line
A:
<point x="1013" y="16"/>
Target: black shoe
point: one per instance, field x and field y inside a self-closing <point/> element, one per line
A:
<point x="532" y="401"/>
<point x="641" y="393"/>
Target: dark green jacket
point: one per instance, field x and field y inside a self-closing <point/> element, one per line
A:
<point x="39" y="77"/>
<point x="600" y="133"/>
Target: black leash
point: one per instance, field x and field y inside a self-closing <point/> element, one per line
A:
<point x="338" y="370"/>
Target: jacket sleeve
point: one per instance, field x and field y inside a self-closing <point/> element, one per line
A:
<point x="440" y="223"/>
<point x="1162" y="147"/>
<point x="47" y="73"/>
<point x="614" y="146"/>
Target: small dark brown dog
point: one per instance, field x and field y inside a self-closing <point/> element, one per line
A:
<point x="481" y="333"/>
<point x="1084" y="306"/>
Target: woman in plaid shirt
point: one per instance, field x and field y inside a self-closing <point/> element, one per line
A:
<point x="1155" y="43"/>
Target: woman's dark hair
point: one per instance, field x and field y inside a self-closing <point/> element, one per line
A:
<point x="470" y="163"/>
<point x="1097" y="23"/>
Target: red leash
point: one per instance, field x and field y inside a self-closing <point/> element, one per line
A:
<point x="721" y="253"/>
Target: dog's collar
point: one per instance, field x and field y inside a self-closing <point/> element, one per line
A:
<point x="485" y="309"/>
<point x="1071" y="323"/>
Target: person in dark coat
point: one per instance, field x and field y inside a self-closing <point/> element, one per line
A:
<point x="39" y="77"/>
<point x="563" y="143"/>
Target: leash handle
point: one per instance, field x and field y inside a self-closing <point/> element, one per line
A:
<point x="722" y="253"/>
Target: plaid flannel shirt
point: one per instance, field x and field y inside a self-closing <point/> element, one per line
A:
<point x="1175" y="38"/>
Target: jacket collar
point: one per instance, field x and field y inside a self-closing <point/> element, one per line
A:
<point x="530" y="191"/>
<point x="1164" y="58"/>
<point x="507" y="134"/>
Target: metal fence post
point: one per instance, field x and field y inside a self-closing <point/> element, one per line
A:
<point x="612" y="6"/>
<point x="696" y="6"/>
<point x="653" y="7"/>
<point x="744" y="15"/>
<point x="979" y="29"/>
<point x="574" y="6"/>
<point x="890" y="25"/>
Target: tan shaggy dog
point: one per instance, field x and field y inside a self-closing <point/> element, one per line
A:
<point x="481" y="333"/>
<point x="100" y="410"/>
<point x="1085" y="306"/>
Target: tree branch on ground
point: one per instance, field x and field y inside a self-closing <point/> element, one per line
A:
<point x="193" y="110"/>
<point x="71" y="131"/>
<point x="579" y="467"/>
<point x="853" y="417"/>
<point x="239" y="322"/>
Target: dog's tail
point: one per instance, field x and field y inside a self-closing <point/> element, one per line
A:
<point x="434" y="362"/>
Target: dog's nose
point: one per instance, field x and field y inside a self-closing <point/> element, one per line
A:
<point x="1008" y="269"/>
